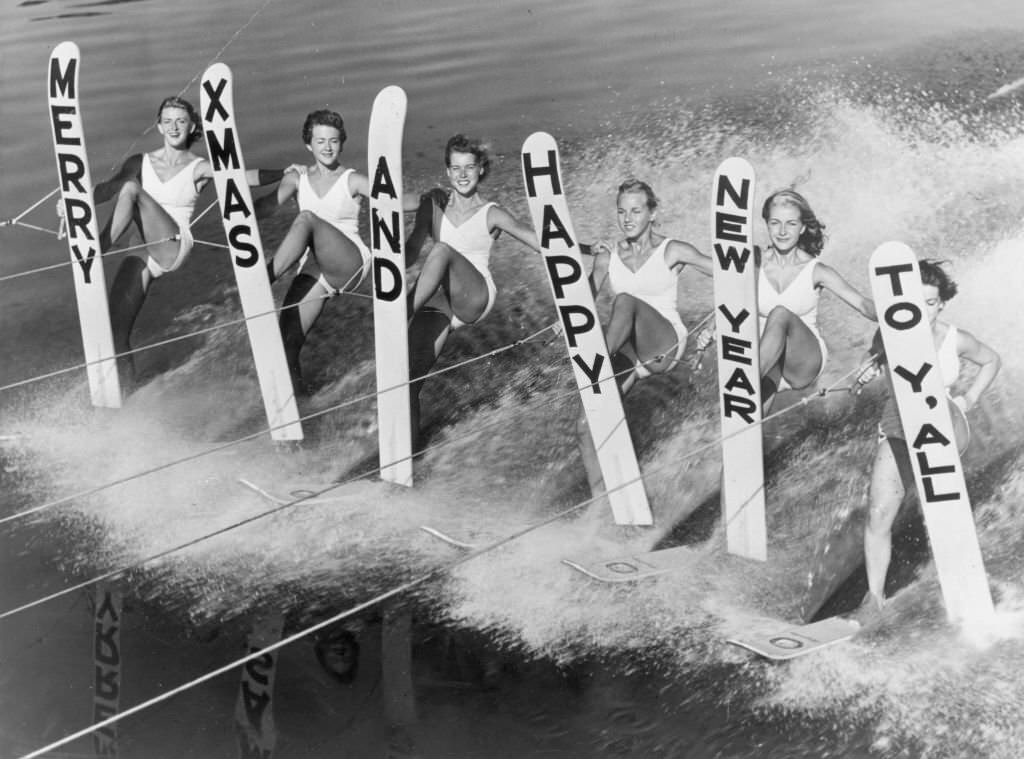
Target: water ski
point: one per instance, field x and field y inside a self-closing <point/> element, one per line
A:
<point x="308" y="493"/>
<point x="739" y="374"/>
<point x="584" y="337"/>
<point x="790" y="642"/>
<point x="390" y="319"/>
<point x="929" y="429"/>
<point x="629" y="568"/>
<point x="246" y="248"/>
<point x="82" y="226"/>
<point x="446" y="538"/>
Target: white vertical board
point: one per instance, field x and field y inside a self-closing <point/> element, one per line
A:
<point x="246" y="249"/>
<point x="390" y="317"/>
<point x="739" y="373"/>
<point x="584" y="338"/>
<point x="920" y="395"/>
<point x="82" y="227"/>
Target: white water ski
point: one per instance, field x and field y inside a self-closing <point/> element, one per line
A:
<point x="390" y="318"/>
<point x="928" y="429"/>
<point x="246" y="249"/>
<point x="82" y="227"/>
<point x="631" y="568"/>
<point x="446" y="538"/>
<point x="789" y="642"/>
<point x="582" y="331"/>
<point x="739" y="377"/>
<point x="331" y="492"/>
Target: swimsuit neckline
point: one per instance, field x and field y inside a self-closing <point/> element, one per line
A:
<point x="647" y="260"/>
<point x="792" y="282"/>
<point x="444" y="214"/>
<point x="149" y="157"/>
<point x="329" y="189"/>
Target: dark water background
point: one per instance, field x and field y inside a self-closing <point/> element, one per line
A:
<point x="877" y="111"/>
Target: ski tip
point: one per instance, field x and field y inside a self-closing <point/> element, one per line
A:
<point x="894" y="248"/>
<point x="736" y="165"/>
<point x="392" y="101"/>
<point x="392" y="91"/>
<point x="218" y="70"/>
<point x="65" y="49"/>
<point x="538" y="141"/>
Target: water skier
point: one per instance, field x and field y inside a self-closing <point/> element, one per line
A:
<point x="157" y="191"/>
<point x="327" y="226"/>
<point x="644" y="331"/>
<point x="645" y="334"/>
<point x="790" y="280"/>
<point x="891" y="474"/>
<point x="454" y="287"/>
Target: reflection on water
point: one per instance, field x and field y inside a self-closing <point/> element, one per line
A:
<point x="397" y="684"/>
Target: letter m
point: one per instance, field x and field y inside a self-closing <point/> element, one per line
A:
<point x="226" y="155"/>
<point x="63" y="81"/>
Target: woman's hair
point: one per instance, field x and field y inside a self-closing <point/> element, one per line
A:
<point x="933" y="274"/>
<point x="460" y="143"/>
<point x="635" y="185"/>
<point x="813" y="238"/>
<point x="323" y="117"/>
<point x="174" y="101"/>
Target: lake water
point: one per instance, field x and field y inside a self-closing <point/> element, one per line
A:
<point x="877" y="111"/>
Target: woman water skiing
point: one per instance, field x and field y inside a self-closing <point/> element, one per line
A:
<point x="645" y="334"/>
<point x="156" y="191"/>
<point x="327" y="225"/>
<point x="892" y="474"/>
<point x="455" y="287"/>
<point x="790" y="280"/>
<point x="645" y="331"/>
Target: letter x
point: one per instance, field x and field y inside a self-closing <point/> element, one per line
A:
<point x="214" y="103"/>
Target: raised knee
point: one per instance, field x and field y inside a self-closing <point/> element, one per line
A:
<point x="305" y="217"/>
<point x="130" y="189"/>
<point x="780" y="314"/>
<point x="441" y="250"/>
<point x="624" y="303"/>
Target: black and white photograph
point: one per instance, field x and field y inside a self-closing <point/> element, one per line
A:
<point x="521" y="380"/>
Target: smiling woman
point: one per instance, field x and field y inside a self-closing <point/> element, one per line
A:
<point x="325" y="233"/>
<point x="455" y="287"/>
<point x="156" y="192"/>
<point x="790" y="280"/>
<point x="645" y="329"/>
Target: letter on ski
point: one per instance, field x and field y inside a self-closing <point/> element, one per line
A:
<point x="584" y="338"/>
<point x="739" y="375"/>
<point x="82" y="227"/>
<point x="246" y="248"/>
<point x="390" y="319"/>
<point x="920" y="395"/>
